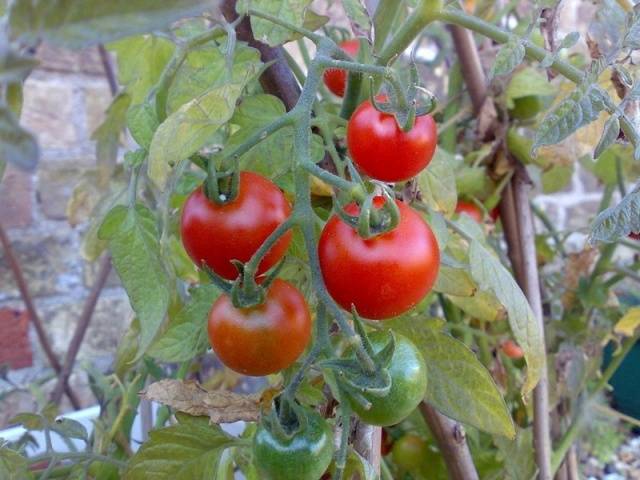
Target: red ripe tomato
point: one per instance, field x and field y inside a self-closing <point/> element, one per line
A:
<point x="335" y="78"/>
<point x="383" y="151"/>
<point x="383" y="276"/>
<point x="263" y="339"/>
<point x="470" y="209"/>
<point x="495" y="214"/>
<point x="386" y="443"/>
<point x="216" y="234"/>
<point x="512" y="350"/>
<point x="634" y="235"/>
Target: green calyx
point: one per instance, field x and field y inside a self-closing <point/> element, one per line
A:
<point x="371" y="220"/>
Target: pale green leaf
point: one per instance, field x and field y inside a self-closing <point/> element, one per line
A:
<point x="189" y="128"/>
<point x="186" y="336"/>
<point x="629" y="322"/>
<point x="107" y="135"/>
<point x="141" y="61"/>
<point x="556" y="178"/>
<point x="510" y="55"/>
<point x="142" y="122"/>
<point x="481" y="305"/>
<point x="190" y="450"/>
<point x="454" y="281"/>
<point x="15" y="67"/>
<point x="358" y="16"/>
<point x="459" y="385"/>
<point x="17" y="146"/>
<point x="619" y="221"/>
<point x="491" y="275"/>
<point x="518" y="456"/>
<point x="80" y="23"/>
<point x="133" y="239"/>
<point x="291" y="11"/>
<point x="609" y="135"/>
<point x="206" y="68"/>
<point x="580" y="108"/>
<point x="70" y="428"/>
<point x="438" y="183"/>
<point x="13" y="466"/>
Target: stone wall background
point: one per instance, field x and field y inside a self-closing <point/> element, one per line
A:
<point x="64" y="101"/>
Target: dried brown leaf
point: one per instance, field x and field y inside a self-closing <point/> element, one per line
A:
<point x="191" y="398"/>
<point x="578" y="265"/>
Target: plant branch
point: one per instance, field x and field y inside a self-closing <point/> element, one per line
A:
<point x="451" y="440"/>
<point x="81" y="328"/>
<point x="33" y="313"/>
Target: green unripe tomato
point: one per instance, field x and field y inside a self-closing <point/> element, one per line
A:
<point x="302" y="455"/>
<point x="409" y="452"/>
<point x="525" y="108"/>
<point x="408" y="383"/>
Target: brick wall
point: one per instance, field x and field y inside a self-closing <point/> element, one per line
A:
<point x="64" y="101"/>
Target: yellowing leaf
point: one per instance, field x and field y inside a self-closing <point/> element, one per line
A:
<point x="191" y="398"/>
<point x="629" y="322"/>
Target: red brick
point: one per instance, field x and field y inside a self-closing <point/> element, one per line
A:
<point x="15" y="198"/>
<point x="15" y="347"/>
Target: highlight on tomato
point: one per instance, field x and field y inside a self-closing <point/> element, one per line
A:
<point x="384" y="276"/>
<point x="214" y="234"/>
<point x="336" y="78"/>
<point x="263" y="339"/>
<point x="383" y="151"/>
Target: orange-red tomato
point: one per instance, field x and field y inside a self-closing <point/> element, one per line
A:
<point x="263" y="339"/>
<point x="512" y="350"/>
<point x="383" y="151"/>
<point x="335" y="78"/>
<point x="383" y="276"/>
<point x="216" y="234"/>
<point x="470" y="209"/>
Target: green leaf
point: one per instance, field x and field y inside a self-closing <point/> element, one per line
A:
<point x="30" y="421"/>
<point x="609" y="135"/>
<point x="525" y="83"/>
<point x="459" y="385"/>
<point x="133" y="240"/>
<point x="580" y="108"/>
<point x="481" y="305"/>
<point x="190" y="450"/>
<point x="69" y="428"/>
<point x="142" y="123"/>
<point x="206" y="68"/>
<point x="186" y="336"/>
<point x="15" y="67"/>
<point x="510" y="55"/>
<point x="189" y="128"/>
<point x="491" y="275"/>
<point x="438" y="183"/>
<point x="519" y="462"/>
<point x="254" y="113"/>
<point x="291" y="11"/>
<point x="619" y="221"/>
<point x="358" y="16"/>
<point x="141" y="61"/>
<point x="81" y="23"/>
<point x="17" y="146"/>
<point x="107" y="135"/>
<point x="556" y="178"/>
<point x="13" y="466"/>
<point x="454" y="281"/>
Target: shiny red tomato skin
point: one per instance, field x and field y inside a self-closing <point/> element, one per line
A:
<point x="383" y="276"/>
<point x="216" y="234"/>
<point x="470" y="209"/>
<point x="383" y="151"/>
<point x="264" y="339"/>
<point x="335" y="78"/>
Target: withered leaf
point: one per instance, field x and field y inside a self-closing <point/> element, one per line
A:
<point x="191" y="398"/>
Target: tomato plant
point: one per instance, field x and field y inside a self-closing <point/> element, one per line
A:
<point x="263" y="339"/>
<point x="276" y="218"/>
<point x="382" y="150"/>
<point x="383" y="276"/>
